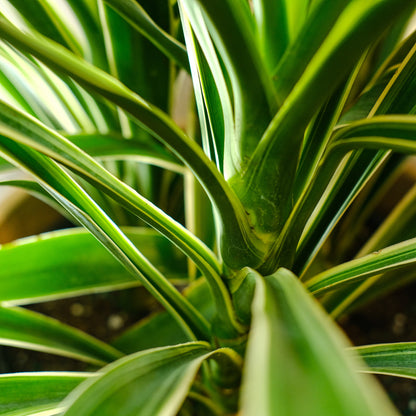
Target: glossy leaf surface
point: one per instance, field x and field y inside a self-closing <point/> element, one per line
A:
<point x="147" y="383"/>
<point x="296" y="362"/>
<point x="64" y="263"/>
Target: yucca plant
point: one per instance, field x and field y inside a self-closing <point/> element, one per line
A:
<point x="206" y="149"/>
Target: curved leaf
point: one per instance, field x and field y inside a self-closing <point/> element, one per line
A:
<point x="26" y="329"/>
<point x="152" y="382"/>
<point x="78" y="203"/>
<point x="72" y="262"/>
<point x="274" y="162"/>
<point x="296" y="360"/>
<point x="232" y="28"/>
<point x="381" y="261"/>
<point x="301" y="49"/>
<point x="114" y="147"/>
<point x="21" y="128"/>
<point x="234" y="220"/>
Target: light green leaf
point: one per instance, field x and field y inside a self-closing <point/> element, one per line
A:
<point x="296" y="361"/>
<point x="72" y="262"/>
<point x="149" y="383"/>
<point x="393" y="257"/>
<point x="398" y="359"/>
<point x="398" y="226"/>
<point x="348" y="180"/>
<point x="391" y="132"/>
<point x="26" y="329"/>
<point x="209" y="98"/>
<point x="212" y="92"/>
<point x="24" y="394"/>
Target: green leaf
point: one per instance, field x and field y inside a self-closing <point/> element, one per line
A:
<point x="389" y="132"/>
<point x="278" y="24"/>
<point x="301" y="49"/>
<point x="398" y="226"/>
<point x="114" y="147"/>
<point x="234" y="219"/>
<point x="212" y="101"/>
<point x="272" y="28"/>
<point x="72" y="262"/>
<point x="152" y="382"/>
<point x="296" y="360"/>
<point x="141" y="21"/>
<point x="355" y="171"/>
<point x="283" y="250"/>
<point x="122" y="44"/>
<point x="24" y="394"/>
<point x="26" y="329"/>
<point x="274" y="163"/>
<point x="381" y="261"/>
<point x="78" y="203"/>
<point x="398" y="359"/>
<point x="23" y="129"/>
<point x="232" y="28"/>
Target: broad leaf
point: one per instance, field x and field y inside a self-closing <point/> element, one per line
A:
<point x="296" y="363"/>
<point x="64" y="263"/>
<point x="152" y="382"/>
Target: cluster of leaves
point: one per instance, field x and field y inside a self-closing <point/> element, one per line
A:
<point x="299" y="107"/>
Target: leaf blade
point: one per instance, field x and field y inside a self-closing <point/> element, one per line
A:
<point x="397" y="359"/>
<point x="38" y="391"/>
<point x="295" y="351"/>
<point x="26" y="329"/>
<point x="165" y="372"/>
